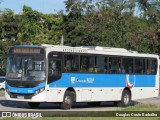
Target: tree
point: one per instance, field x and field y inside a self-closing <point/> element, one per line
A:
<point x="9" y="25"/>
<point x="39" y="28"/>
<point x="111" y="23"/>
<point x="151" y="13"/>
<point x="72" y="21"/>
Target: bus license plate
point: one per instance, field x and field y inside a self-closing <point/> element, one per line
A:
<point x="20" y="97"/>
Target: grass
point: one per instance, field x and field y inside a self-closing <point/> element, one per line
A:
<point x="139" y="108"/>
<point x="142" y="107"/>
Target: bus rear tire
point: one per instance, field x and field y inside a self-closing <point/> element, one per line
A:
<point x="34" y="104"/>
<point x="125" y="100"/>
<point x="67" y="100"/>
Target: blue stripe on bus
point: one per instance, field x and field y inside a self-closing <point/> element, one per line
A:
<point x="25" y="90"/>
<point x="103" y="80"/>
<point x="92" y="80"/>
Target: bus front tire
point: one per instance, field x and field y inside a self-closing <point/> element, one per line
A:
<point x="67" y="100"/>
<point x="125" y="100"/>
<point x="34" y="104"/>
<point x="2" y="89"/>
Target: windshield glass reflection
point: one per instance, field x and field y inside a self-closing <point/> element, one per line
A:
<point x="26" y="68"/>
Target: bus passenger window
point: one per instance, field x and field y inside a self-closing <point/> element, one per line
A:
<point x="127" y="65"/>
<point x="154" y="66"/>
<point x="114" y="65"/>
<point x="87" y="63"/>
<point x="83" y="68"/>
<point x="151" y="66"/>
<point x="123" y="70"/>
<point x="140" y="66"/>
<point x="67" y="66"/>
<point x="71" y="63"/>
<point x="100" y="63"/>
<point x="52" y="68"/>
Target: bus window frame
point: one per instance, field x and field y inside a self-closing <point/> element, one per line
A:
<point x="106" y="56"/>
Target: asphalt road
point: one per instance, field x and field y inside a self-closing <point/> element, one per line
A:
<point x="105" y="106"/>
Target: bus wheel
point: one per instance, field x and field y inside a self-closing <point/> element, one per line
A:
<point x="126" y="99"/>
<point x="94" y="103"/>
<point x="34" y="104"/>
<point x="2" y="89"/>
<point x="67" y="100"/>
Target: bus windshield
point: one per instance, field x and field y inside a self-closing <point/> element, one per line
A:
<point x="26" y="67"/>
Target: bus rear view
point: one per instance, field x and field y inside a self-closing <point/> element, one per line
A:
<point x="25" y="77"/>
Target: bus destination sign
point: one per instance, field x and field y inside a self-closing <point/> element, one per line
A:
<point x="26" y="50"/>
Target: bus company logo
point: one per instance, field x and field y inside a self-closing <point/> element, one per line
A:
<point x="74" y="80"/>
<point x="87" y="80"/>
<point x="128" y="84"/>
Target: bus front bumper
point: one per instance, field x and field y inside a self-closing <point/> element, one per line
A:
<point x="41" y="97"/>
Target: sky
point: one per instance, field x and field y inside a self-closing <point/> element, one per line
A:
<point x="44" y="6"/>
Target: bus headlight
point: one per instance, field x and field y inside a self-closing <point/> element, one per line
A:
<point x="7" y="90"/>
<point x="39" y="91"/>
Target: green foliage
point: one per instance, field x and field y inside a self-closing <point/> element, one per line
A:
<point x="113" y="23"/>
<point x="109" y="23"/>
<point x="30" y="26"/>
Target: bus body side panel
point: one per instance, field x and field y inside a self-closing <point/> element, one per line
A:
<point x="87" y="94"/>
<point x="98" y="94"/>
<point x="103" y="87"/>
<point x="96" y="87"/>
<point x="144" y="92"/>
<point x="55" y="94"/>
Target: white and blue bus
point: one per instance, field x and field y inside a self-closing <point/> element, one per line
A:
<point x="63" y="74"/>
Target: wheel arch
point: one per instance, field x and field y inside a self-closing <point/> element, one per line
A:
<point x="128" y="89"/>
<point x="71" y="89"/>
